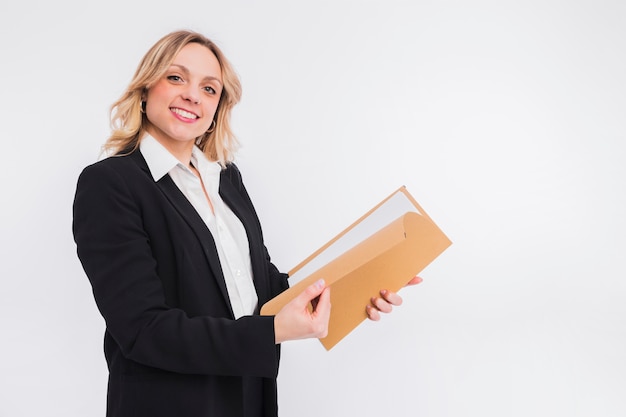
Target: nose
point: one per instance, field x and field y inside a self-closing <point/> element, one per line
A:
<point x="190" y="94"/>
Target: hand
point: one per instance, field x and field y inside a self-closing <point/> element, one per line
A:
<point x="385" y="303"/>
<point x="296" y="320"/>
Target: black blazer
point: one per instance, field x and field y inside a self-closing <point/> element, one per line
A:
<point x="172" y="344"/>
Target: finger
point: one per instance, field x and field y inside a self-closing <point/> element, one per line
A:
<point x="311" y="292"/>
<point x="391" y="297"/>
<point x="372" y="313"/>
<point x="381" y="304"/>
<point x="322" y="307"/>
<point x="415" y="280"/>
<point x="321" y="315"/>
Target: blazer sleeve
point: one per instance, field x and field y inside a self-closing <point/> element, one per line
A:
<point x="115" y="252"/>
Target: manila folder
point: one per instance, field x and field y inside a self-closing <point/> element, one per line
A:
<point x="383" y="249"/>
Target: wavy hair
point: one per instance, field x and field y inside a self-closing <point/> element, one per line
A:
<point x="127" y="119"/>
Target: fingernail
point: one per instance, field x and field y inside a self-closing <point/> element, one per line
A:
<point x="383" y="292"/>
<point x="320" y="283"/>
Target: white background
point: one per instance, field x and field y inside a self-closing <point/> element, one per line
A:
<point x="505" y="119"/>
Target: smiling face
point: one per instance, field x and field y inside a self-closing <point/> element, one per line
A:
<point x="180" y="106"/>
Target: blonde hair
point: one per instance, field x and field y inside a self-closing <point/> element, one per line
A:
<point x="127" y="119"/>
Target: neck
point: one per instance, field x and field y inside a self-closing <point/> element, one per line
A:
<point x="180" y="149"/>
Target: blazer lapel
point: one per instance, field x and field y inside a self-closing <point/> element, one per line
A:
<point x="193" y="219"/>
<point x="233" y="198"/>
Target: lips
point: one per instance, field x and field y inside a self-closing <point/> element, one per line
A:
<point x="184" y="113"/>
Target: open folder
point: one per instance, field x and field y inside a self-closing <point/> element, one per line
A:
<point x="383" y="249"/>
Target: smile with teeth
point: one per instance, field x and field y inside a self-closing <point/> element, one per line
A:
<point x="184" y="113"/>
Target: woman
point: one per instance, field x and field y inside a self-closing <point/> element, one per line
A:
<point x="174" y="251"/>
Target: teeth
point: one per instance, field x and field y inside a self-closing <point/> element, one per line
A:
<point x="184" y="113"/>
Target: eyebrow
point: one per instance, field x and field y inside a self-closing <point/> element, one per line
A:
<point x="206" y="78"/>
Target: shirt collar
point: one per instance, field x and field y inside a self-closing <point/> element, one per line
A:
<point x="200" y="161"/>
<point x="160" y="161"/>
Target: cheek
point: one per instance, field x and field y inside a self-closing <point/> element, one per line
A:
<point x="156" y="102"/>
<point x="158" y="93"/>
<point x="210" y="110"/>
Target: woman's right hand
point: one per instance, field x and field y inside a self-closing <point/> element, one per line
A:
<point x="296" y="320"/>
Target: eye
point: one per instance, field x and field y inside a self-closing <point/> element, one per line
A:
<point x="174" y="78"/>
<point x="210" y="89"/>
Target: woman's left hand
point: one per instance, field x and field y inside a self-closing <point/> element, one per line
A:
<point x="386" y="301"/>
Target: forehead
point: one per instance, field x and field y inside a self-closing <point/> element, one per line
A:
<point x="198" y="60"/>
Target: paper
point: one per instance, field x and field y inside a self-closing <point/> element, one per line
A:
<point x="383" y="249"/>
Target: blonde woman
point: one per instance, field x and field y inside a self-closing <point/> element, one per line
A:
<point x="172" y="246"/>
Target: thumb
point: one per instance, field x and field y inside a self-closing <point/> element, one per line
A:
<point x="311" y="292"/>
